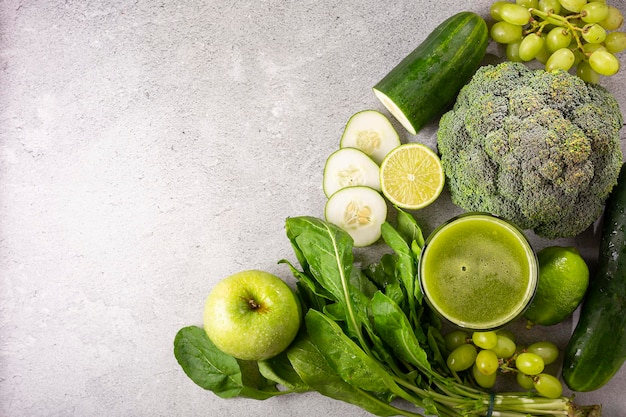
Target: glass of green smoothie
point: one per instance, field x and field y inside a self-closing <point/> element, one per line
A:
<point x="478" y="271"/>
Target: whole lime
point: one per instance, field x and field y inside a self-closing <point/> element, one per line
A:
<point x="563" y="281"/>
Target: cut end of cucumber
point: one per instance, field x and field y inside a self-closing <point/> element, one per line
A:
<point x="395" y="111"/>
<point x="371" y="132"/>
<point x="348" y="167"/>
<point x="360" y="211"/>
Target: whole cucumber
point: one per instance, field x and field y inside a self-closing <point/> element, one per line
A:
<point x="597" y="348"/>
<point x="428" y="80"/>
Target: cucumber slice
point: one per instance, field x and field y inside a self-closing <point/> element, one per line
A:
<point x="347" y="167"/>
<point x="372" y="132"/>
<point x="360" y="211"/>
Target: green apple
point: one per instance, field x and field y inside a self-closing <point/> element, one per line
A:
<point x="252" y="315"/>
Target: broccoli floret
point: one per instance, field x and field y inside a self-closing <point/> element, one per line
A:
<point x="538" y="148"/>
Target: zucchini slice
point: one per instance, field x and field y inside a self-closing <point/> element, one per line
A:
<point x="360" y="211"/>
<point x="347" y="167"/>
<point x="372" y="132"/>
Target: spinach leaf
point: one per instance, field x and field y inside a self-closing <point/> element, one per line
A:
<point x="410" y="230"/>
<point x="383" y="275"/>
<point x="361" y="283"/>
<point x="405" y="267"/>
<point x="216" y="371"/>
<point x="382" y="272"/>
<point x="313" y="368"/>
<point x="394" y="328"/>
<point x="279" y="369"/>
<point x="312" y="295"/>
<point x="350" y="362"/>
<point x="436" y="343"/>
<point x="325" y="251"/>
<point x="308" y="298"/>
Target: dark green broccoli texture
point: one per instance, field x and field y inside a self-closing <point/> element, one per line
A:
<point x="541" y="149"/>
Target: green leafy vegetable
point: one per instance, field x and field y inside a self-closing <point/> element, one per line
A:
<point x="410" y="230"/>
<point x="214" y="370"/>
<point x="327" y="254"/>
<point x="394" y="328"/>
<point x="405" y="267"/>
<point x="280" y="370"/>
<point x="349" y="361"/>
<point x="313" y="368"/>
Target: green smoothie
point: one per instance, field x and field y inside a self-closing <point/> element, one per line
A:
<point x="478" y="271"/>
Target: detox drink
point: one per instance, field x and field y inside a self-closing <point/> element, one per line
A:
<point x="478" y="271"/>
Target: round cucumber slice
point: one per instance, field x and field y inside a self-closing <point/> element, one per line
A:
<point x="360" y="211"/>
<point x="372" y="132"/>
<point x="347" y="167"/>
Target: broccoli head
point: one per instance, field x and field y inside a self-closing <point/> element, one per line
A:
<point x="538" y="148"/>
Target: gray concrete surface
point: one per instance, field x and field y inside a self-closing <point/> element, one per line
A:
<point x="149" y="149"/>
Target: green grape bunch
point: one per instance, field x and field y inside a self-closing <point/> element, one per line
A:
<point x="561" y="34"/>
<point x="486" y="354"/>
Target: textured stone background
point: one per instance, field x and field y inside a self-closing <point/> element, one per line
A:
<point x="149" y="149"/>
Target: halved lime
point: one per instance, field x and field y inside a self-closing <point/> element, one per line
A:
<point x="411" y="176"/>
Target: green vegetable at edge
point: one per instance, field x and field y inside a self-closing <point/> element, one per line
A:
<point x="214" y="370"/>
<point x="597" y="348"/>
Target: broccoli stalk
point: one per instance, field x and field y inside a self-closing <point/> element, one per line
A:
<point x="538" y="148"/>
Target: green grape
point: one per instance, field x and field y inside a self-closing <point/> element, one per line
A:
<point x="485" y="340"/>
<point x="594" y="12"/>
<point x="614" y="20"/>
<point x="494" y="10"/>
<point x="512" y="52"/>
<point x="485" y="381"/>
<point x="590" y="48"/>
<point x="562" y="59"/>
<point x="543" y="54"/>
<point x="530" y="47"/>
<point x="505" y="32"/>
<point x="504" y="348"/>
<point x="525" y="381"/>
<point x="558" y="38"/>
<point x="573" y="5"/>
<point x="487" y="362"/>
<point x="586" y="73"/>
<point x="454" y="339"/>
<point x="514" y="14"/>
<point x="506" y="333"/>
<point x="549" y="6"/>
<point x="548" y="386"/>
<point x="594" y="33"/>
<point x="615" y="42"/>
<point x="578" y="55"/>
<point x="528" y="3"/>
<point x="462" y="357"/>
<point x="548" y="351"/>
<point x="529" y="363"/>
<point x="604" y="63"/>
